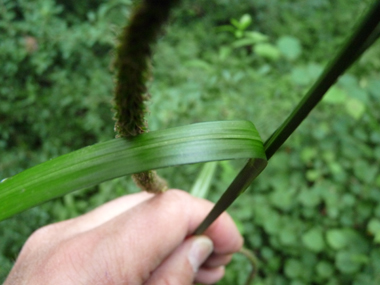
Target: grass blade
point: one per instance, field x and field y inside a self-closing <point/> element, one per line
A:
<point x="365" y="35"/>
<point x="203" y="182"/>
<point x="103" y="161"/>
<point x="245" y="177"/>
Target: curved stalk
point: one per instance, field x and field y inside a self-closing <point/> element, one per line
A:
<point x="133" y="71"/>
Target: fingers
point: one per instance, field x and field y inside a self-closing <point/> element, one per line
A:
<point x="111" y="209"/>
<point x="133" y="239"/>
<point x="216" y="260"/>
<point x="148" y="233"/>
<point x="209" y="275"/>
<point x="182" y="266"/>
<point x="99" y="215"/>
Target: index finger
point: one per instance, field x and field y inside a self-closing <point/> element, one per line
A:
<point x="149" y="232"/>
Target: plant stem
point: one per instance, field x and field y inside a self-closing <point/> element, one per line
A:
<point x="363" y="37"/>
<point x="250" y="171"/>
<point x="253" y="261"/>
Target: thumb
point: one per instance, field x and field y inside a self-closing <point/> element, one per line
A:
<point x="183" y="265"/>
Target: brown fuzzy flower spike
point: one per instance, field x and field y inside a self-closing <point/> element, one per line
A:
<point x="133" y="71"/>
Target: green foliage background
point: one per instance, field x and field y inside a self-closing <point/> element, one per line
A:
<point x="313" y="216"/>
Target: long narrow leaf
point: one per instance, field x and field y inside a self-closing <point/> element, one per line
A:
<point x="103" y="161"/>
<point x="202" y="183"/>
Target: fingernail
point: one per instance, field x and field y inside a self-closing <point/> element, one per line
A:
<point x="201" y="248"/>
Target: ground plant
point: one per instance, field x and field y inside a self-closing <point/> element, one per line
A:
<point x="313" y="216"/>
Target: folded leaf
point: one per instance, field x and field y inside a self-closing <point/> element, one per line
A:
<point x="94" y="164"/>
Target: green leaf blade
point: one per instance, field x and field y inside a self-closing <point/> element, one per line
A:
<point x="92" y="165"/>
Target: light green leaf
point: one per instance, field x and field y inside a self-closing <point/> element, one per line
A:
<point x="283" y="198"/>
<point x="325" y="269"/>
<point x="351" y="85"/>
<point x="374" y="87"/>
<point x="300" y="76"/>
<point x="309" y="197"/>
<point x="290" y="47"/>
<point x="267" y="51"/>
<point x="377" y="237"/>
<point x="201" y="64"/>
<point x="239" y="33"/>
<point x="335" y="95"/>
<point x="256" y="36"/>
<point x="313" y="239"/>
<point x="289" y="234"/>
<point x="359" y="94"/>
<point x="225" y="28"/>
<point x="245" y="21"/>
<point x="203" y="182"/>
<point x="243" y="42"/>
<point x="304" y="75"/>
<point x="235" y="23"/>
<point x="313" y="174"/>
<point x="293" y="268"/>
<point x="337" y="238"/>
<point x="308" y="153"/>
<point x="374" y="228"/>
<point x="224" y="52"/>
<point x="365" y="171"/>
<point x="314" y="70"/>
<point x="104" y="161"/>
<point x="355" y="108"/>
<point x="272" y="223"/>
<point x="348" y="262"/>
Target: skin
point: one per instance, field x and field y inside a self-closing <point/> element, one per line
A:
<point x="136" y="239"/>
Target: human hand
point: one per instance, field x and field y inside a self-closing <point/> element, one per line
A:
<point x="135" y="239"/>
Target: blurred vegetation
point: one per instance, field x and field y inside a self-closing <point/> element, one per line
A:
<point x="312" y="217"/>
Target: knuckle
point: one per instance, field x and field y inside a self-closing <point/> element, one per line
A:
<point x="174" y="204"/>
<point x="41" y="236"/>
<point x="171" y="280"/>
<point x="176" y="198"/>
